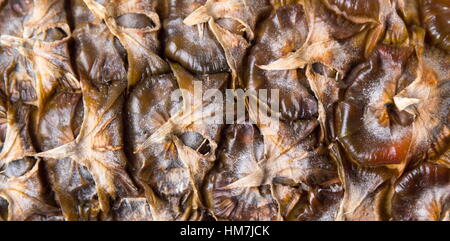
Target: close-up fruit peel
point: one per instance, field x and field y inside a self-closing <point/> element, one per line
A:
<point x="227" y="110"/>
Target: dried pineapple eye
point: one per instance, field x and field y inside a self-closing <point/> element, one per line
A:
<point x="139" y="110"/>
<point x="435" y="18"/>
<point x="291" y="24"/>
<point x="241" y="153"/>
<point x="355" y="8"/>
<point x="135" y="20"/>
<point x="194" y="47"/>
<point x="423" y="194"/>
<point x="52" y="34"/>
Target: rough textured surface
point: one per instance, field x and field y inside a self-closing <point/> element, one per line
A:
<point x="90" y="128"/>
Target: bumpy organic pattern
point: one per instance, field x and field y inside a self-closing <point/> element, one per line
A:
<point x="90" y="128"/>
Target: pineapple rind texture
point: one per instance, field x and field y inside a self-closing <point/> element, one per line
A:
<point x="240" y="110"/>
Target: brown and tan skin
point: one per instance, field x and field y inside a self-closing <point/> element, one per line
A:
<point x="135" y="24"/>
<point x="397" y="100"/>
<point x="243" y="149"/>
<point x="44" y="44"/>
<point x="423" y="194"/>
<point x="27" y="196"/>
<point x="22" y="186"/>
<point x="193" y="47"/>
<point x="435" y="15"/>
<point x="90" y="128"/>
<point x="16" y="84"/>
<point x="294" y="160"/>
<point x="173" y="143"/>
<point x="233" y="24"/>
<point x="72" y="183"/>
<point x="99" y="144"/>
<point x="23" y="192"/>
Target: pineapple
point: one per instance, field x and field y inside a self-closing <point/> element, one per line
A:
<point x="224" y="110"/>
